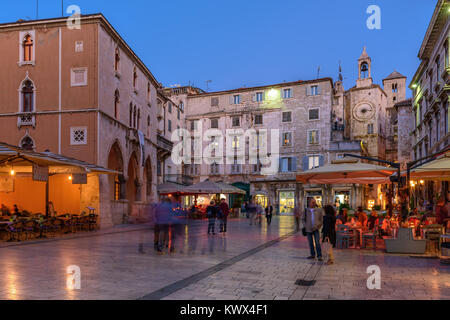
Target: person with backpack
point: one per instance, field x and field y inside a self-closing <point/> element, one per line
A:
<point x="211" y="214"/>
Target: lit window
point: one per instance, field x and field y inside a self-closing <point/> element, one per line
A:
<point x="28" y="48"/>
<point x="287" y="139"/>
<point x="313" y="137"/>
<point x="235" y="143"/>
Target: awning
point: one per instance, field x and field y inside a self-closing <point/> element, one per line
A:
<point x="437" y="169"/>
<point x="22" y="161"/>
<point x="210" y="187"/>
<point x="348" y="172"/>
<point x="170" y="188"/>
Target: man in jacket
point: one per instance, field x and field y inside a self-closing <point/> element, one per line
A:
<point x="312" y="220"/>
<point x="224" y="216"/>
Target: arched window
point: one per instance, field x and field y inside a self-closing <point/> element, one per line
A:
<point x="28" y="97"/>
<point x="134" y="117"/>
<point x="116" y="60"/>
<point x="134" y="78"/>
<point x="131" y="115"/>
<point x="138" y="118"/>
<point x="148" y="91"/>
<point x="27" y="143"/>
<point x="28" y="48"/>
<point x="148" y="121"/>
<point x="116" y="104"/>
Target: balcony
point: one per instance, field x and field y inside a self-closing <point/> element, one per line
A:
<point x="337" y="127"/>
<point x="164" y="147"/>
<point x="133" y="135"/>
<point x="26" y="119"/>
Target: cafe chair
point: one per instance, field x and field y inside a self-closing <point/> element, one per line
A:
<point x="370" y="237"/>
<point x="344" y="237"/>
<point x="15" y="231"/>
<point x="29" y="229"/>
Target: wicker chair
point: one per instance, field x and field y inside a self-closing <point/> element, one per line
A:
<point x="93" y="222"/>
<point x="29" y="228"/>
<point x="15" y="231"/>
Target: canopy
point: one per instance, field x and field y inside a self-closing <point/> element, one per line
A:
<point x="169" y="188"/>
<point x="347" y="172"/>
<point x="210" y="187"/>
<point x="22" y="161"/>
<point x="437" y="169"/>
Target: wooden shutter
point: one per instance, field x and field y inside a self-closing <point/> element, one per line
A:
<point x="321" y="161"/>
<point x="305" y="163"/>
<point x="294" y="164"/>
<point x="231" y="99"/>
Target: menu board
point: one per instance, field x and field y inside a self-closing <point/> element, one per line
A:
<point x="40" y="173"/>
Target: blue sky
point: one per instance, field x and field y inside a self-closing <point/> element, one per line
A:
<point x="250" y="43"/>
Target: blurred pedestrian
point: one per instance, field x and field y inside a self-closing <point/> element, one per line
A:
<point x="211" y="213"/>
<point x="224" y="211"/>
<point x="268" y="216"/>
<point x="329" y="232"/>
<point x="251" y="209"/>
<point x="259" y="212"/>
<point x="297" y="215"/>
<point x="162" y="220"/>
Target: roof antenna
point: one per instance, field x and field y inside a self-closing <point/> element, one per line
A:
<point x="341" y="78"/>
<point x="207" y="83"/>
<point x="318" y="72"/>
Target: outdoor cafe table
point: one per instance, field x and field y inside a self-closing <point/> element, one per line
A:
<point x="357" y="231"/>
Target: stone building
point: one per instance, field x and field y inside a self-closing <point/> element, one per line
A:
<point x="85" y="94"/>
<point x="431" y="91"/>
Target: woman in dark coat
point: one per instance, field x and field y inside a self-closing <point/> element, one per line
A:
<point x="329" y="225"/>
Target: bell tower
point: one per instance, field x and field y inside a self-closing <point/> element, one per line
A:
<point x="364" y="70"/>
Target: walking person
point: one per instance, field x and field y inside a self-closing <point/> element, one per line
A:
<point x="312" y="219"/>
<point x="329" y="231"/>
<point x="211" y="213"/>
<point x="251" y="209"/>
<point x="259" y="212"/>
<point x="225" y="210"/>
<point x="268" y="216"/>
<point x="162" y="217"/>
<point x="297" y="215"/>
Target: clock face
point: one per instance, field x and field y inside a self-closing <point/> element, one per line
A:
<point x="364" y="111"/>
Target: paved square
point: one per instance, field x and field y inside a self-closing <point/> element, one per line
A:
<point x="251" y="262"/>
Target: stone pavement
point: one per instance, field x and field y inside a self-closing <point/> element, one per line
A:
<point x="251" y="262"/>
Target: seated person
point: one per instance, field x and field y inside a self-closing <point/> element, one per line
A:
<point x="342" y="215"/>
<point x="5" y="211"/>
<point x="372" y="220"/>
<point x="16" y="211"/>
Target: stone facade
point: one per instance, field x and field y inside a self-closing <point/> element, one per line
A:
<point x="92" y="98"/>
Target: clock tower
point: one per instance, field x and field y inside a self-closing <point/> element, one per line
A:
<point x="366" y="109"/>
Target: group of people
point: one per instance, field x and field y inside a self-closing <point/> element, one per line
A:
<point x="255" y="211"/>
<point x="167" y="225"/>
<point x="313" y="220"/>
<point x="220" y="212"/>
<point x="6" y="212"/>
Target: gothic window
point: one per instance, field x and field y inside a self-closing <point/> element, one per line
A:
<point x="28" y="96"/>
<point x="364" y="70"/>
<point x="134" y="78"/>
<point x="116" y="104"/>
<point x="28" y="48"/>
<point x="27" y="143"/>
<point x="116" y="60"/>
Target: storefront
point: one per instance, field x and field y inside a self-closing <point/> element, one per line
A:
<point x="262" y="199"/>
<point x="314" y="194"/>
<point x="287" y="202"/>
<point x="341" y="197"/>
